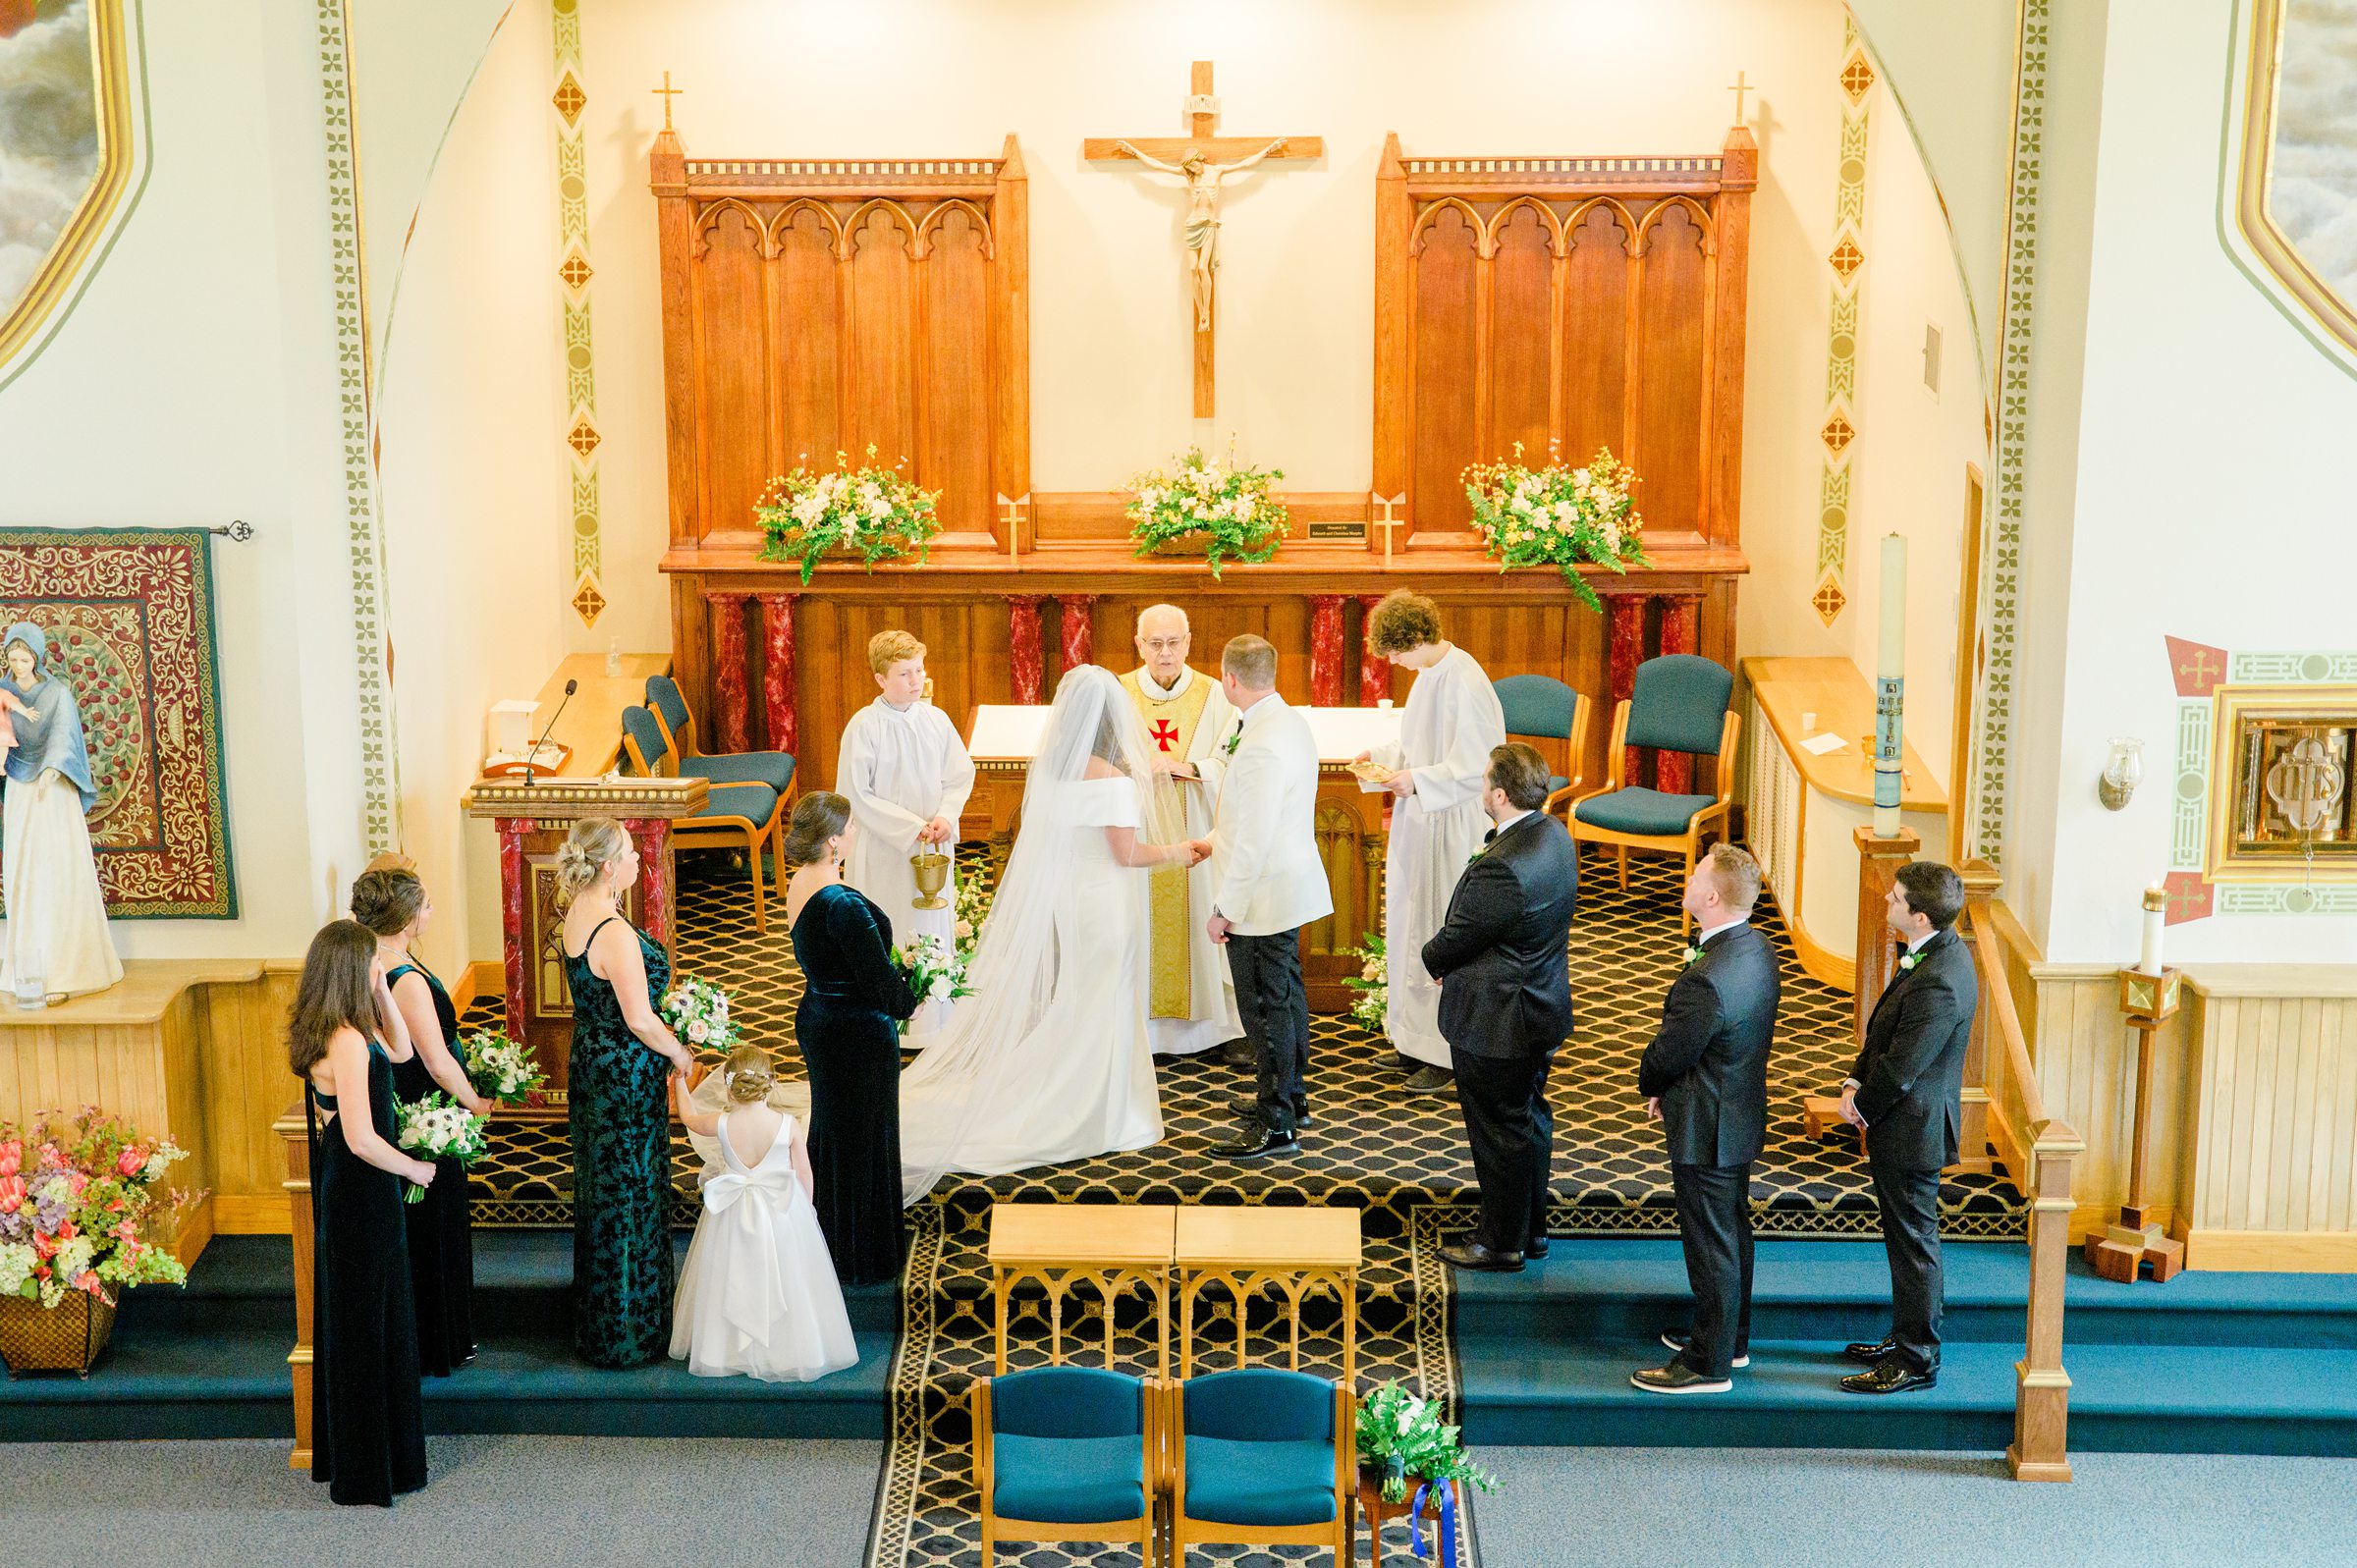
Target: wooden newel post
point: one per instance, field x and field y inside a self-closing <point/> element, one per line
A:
<point x="295" y="1131"/>
<point x="1879" y="860"/>
<point x="2039" y="1450"/>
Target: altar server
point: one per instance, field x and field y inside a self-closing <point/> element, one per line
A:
<point x="907" y="776"/>
<point x="1191" y="997"/>
<point x="1453" y="723"/>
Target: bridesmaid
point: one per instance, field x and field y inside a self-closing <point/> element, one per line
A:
<point x="367" y="1418"/>
<point x="390" y="900"/>
<point x="845" y="1026"/>
<point x="618" y="1108"/>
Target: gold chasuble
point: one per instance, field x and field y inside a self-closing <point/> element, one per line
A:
<point x="1171" y="723"/>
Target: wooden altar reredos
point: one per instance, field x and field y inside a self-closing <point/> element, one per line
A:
<point x="810" y="306"/>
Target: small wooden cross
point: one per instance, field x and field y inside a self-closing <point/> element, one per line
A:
<point x="667" y="93"/>
<point x="1739" y="90"/>
<point x="1011" y="513"/>
<point x="1388" y="521"/>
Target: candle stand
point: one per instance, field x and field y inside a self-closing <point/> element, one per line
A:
<point x="2123" y="1250"/>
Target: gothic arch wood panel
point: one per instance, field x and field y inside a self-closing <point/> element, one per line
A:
<point x="1523" y="336"/>
<point x="956" y="307"/>
<point x="1596" y="337"/>
<point x="805" y="329"/>
<point x="1673" y="344"/>
<point x="884" y="358"/>
<point x="732" y="361"/>
<point x="1449" y="372"/>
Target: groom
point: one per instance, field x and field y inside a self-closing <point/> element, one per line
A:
<point x="1268" y="885"/>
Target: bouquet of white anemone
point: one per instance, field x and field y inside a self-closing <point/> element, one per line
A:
<point x="438" y="1127"/>
<point x="698" y="1011"/>
<point x="500" y="1068"/>
<point x="934" y="968"/>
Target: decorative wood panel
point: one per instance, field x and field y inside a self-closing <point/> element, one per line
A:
<point x="1580" y="301"/>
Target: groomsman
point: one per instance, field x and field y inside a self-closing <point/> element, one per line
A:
<point x="1907" y="1091"/>
<point x="1502" y="956"/>
<point x="1269" y="884"/>
<point x="1704" y="1079"/>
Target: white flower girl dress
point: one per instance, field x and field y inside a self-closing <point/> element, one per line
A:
<point x="758" y="1294"/>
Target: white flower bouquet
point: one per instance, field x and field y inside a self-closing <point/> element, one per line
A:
<point x="1558" y="515"/>
<point x="973" y="904"/>
<point x="1371" y="998"/>
<point x="697" y="1010"/>
<point x="500" y="1067"/>
<point x="935" y="969"/>
<point x="876" y="512"/>
<point x="1233" y="510"/>
<point x="438" y="1127"/>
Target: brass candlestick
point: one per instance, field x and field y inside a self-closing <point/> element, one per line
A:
<point x="932" y="875"/>
<point x="2120" y="1251"/>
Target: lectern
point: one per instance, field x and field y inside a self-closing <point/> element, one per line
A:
<point x="532" y="820"/>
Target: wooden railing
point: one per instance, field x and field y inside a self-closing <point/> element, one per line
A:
<point x="294" y="1132"/>
<point x="2035" y="1149"/>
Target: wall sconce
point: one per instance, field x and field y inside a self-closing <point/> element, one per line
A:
<point x="2123" y="771"/>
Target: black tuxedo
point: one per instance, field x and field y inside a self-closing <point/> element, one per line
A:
<point x="1708" y="1065"/>
<point x="1502" y="957"/>
<point x="1910" y="1091"/>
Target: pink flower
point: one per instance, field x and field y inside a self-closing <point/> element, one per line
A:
<point x="87" y="1280"/>
<point x="67" y="1232"/>
<point x="12" y="1193"/>
<point x="124" y="1233"/>
<point x="132" y="1159"/>
<point x="12" y="1157"/>
<point x="76" y="1180"/>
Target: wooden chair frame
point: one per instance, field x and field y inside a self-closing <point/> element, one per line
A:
<point x="1181" y="1532"/>
<point x="1141" y="1531"/>
<point x="682" y="742"/>
<point x="689" y="831"/>
<point x="1687" y="844"/>
<point x="1560" y="802"/>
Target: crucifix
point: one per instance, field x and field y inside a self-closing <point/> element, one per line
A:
<point x="1202" y="160"/>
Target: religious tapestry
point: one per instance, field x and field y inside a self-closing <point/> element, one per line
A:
<point x="129" y="615"/>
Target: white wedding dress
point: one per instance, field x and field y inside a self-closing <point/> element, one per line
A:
<point x="758" y="1294"/>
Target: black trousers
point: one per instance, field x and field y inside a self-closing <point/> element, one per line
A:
<point x="1713" y="1220"/>
<point x="1910" y="1205"/>
<point x="1512" y="1133"/>
<point x="1275" y="1009"/>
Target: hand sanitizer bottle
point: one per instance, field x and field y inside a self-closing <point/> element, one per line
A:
<point x="614" y="658"/>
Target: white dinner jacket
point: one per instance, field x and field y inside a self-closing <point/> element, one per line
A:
<point x="1264" y="843"/>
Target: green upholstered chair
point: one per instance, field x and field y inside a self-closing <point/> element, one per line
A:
<point x="1065" y="1453"/>
<point x="1543" y="708"/>
<point x="772" y="767"/>
<point x="1680" y="702"/>
<point x="736" y="815"/>
<point x="1260" y="1457"/>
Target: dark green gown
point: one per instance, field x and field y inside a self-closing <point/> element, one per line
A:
<point x="367" y="1417"/>
<point x="618" y="1110"/>
<point x="441" y="1229"/>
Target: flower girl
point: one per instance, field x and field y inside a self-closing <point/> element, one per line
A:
<point x="758" y="1294"/>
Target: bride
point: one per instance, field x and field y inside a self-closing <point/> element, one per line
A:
<point x="1049" y="1059"/>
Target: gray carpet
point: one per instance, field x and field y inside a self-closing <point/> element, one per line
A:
<point x="493" y="1501"/>
<point x="1756" y="1508"/>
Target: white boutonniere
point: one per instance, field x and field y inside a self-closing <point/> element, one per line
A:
<point x="1694" y="953"/>
<point x="1907" y="964"/>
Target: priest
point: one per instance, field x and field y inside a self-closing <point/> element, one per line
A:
<point x="1190" y="1000"/>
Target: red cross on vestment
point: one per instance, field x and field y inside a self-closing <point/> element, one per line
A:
<point x="1164" y="733"/>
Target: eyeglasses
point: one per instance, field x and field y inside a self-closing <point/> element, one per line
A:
<point x="1163" y="644"/>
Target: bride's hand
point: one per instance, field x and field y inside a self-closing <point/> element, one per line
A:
<point x="1197" y="850"/>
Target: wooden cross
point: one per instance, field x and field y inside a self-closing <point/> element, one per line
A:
<point x="667" y="93"/>
<point x="1739" y="90"/>
<point x="1202" y="160"/>
<point x="1388" y="521"/>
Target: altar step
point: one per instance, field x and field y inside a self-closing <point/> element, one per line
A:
<point x="2211" y="1362"/>
<point x="210" y="1361"/>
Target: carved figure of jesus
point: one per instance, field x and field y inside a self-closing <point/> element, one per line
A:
<point x="1202" y="237"/>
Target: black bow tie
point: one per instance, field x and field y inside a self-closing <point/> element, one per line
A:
<point x="1490" y="835"/>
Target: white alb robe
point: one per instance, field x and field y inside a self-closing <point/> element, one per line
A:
<point x="1452" y="724"/>
<point x="1211" y="989"/>
<point x="900" y="768"/>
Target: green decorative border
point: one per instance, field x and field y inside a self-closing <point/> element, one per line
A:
<point x="1842" y="332"/>
<point x="363" y="522"/>
<point x="2004" y="597"/>
<point x="579" y="361"/>
<point x="2189" y="816"/>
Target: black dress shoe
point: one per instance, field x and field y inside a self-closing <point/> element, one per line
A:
<point x="1535" y="1247"/>
<point x="1679" y="1378"/>
<point x="1254" y="1141"/>
<point x="1890" y="1375"/>
<point x="1679" y="1342"/>
<point x="1237" y="1052"/>
<point x="1249" y="1107"/>
<point x="1431" y="1080"/>
<point x="1466" y="1252"/>
<point x="1873" y="1355"/>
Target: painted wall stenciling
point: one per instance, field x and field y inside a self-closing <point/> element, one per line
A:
<point x="1847" y="259"/>
<point x="363" y="523"/>
<point x="573" y="275"/>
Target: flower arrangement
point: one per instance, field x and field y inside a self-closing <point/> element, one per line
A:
<point x="1558" y="515"/>
<point x="934" y="968"/>
<point x="1403" y="1434"/>
<point x="971" y="905"/>
<point x="438" y="1127"/>
<point x="880" y="513"/>
<point x="500" y="1067"/>
<point x="83" y="1215"/>
<point x="699" y="1011"/>
<point x="1373" y="987"/>
<point x="1234" y="509"/>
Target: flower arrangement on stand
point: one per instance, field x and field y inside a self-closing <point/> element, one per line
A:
<point x="1404" y="1444"/>
<point x="1372" y="1002"/>
<point x="875" y="512"/>
<point x="438" y="1127"/>
<point x="83" y="1215"/>
<point x="1230" y="511"/>
<point x="1558" y="515"/>
<point x="500" y="1068"/>
<point x="698" y="1012"/>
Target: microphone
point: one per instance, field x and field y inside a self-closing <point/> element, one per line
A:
<point x="533" y="755"/>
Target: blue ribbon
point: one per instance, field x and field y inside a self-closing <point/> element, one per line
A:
<point x="1446" y="1494"/>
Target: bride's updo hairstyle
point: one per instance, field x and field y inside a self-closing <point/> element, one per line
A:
<point x="817" y="817"/>
<point x="749" y="1076"/>
<point x="594" y="844"/>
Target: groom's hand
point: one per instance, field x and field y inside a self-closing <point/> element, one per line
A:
<point x="1218" y="926"/>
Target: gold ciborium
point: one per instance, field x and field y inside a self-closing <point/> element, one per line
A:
<point x="932" y="875"/>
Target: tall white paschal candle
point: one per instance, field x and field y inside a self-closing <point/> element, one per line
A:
<point x="2156" y="915"/>
<point x="1889" y="682"/>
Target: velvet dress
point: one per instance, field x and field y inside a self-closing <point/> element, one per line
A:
<point x="618" y="1111"/>
<point x="441" y="1231"/>
<point x="846" y="1027"/>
